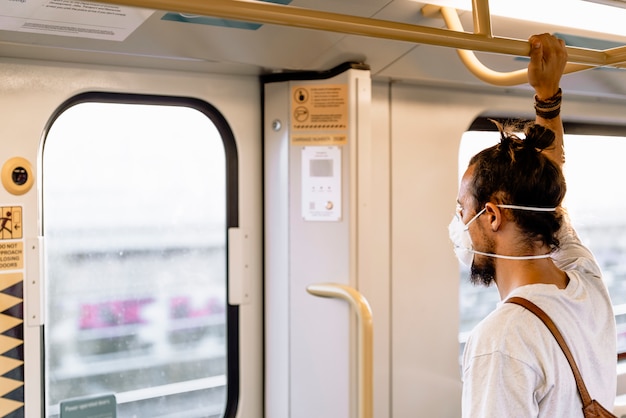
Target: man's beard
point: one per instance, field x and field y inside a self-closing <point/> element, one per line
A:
<point x="485" y="273"/>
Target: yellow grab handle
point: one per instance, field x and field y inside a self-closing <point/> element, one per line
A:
<point x="365" y="339"/>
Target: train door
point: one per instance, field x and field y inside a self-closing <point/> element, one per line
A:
<point x="320" y="202"/>
<point x="125" y="297"/>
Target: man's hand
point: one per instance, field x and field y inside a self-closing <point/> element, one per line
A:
<point x="548" y="57"/>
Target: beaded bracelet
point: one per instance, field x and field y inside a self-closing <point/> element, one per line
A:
<point x="549" y="108"/>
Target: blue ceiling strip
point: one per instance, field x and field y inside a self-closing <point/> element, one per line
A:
<point x="214" y="21"/>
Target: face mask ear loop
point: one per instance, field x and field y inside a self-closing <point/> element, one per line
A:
<point x="514" y="257"/>
<point x="531" y="208"/>
<point x="474" y="218"/>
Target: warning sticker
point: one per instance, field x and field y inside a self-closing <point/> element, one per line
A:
<point x="319" y="107"/>
<point x="10" y="222"/>
<point x="11" y="255"/>
<point x="316" y="140"/>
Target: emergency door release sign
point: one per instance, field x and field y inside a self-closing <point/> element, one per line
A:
<point x="11" y="252"/>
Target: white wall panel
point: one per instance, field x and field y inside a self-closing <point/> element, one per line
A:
<point x="426" y="128"/>
<point x="30" y="93"/>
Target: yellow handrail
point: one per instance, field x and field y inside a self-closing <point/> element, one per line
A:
<point x="271" y="13"/>
<point x="482" y="17"/>
<point x="477" y="68"/>
<point x="365" y="339"/>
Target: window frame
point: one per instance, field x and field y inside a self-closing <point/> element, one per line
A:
<point x="483" y="123"/>
<point x="232" y="209"/>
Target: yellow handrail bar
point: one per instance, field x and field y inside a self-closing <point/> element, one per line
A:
<point x="484" y="73"/>
<point x="365" y="339"/>
<point x="482" y="18"/>
<point x="271" y="13"/>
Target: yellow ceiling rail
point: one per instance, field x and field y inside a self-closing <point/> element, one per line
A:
<point x="476" y="67"/>
<point x="482" y="18"/>
<point x="616" y="56"/>
<point x="271" y="13"/>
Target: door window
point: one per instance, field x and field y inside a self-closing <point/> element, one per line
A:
<point x="135" y="221"/>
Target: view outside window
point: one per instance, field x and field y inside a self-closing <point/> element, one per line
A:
<point x="594" y="172"/>
<point x="134" y="206"/>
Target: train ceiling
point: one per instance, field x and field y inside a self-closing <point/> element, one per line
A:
<point x="162" y="39"/>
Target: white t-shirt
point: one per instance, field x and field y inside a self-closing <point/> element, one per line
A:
<point x="513" y="366"/>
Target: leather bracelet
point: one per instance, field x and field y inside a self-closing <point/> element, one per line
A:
<point x="549" y="108"/>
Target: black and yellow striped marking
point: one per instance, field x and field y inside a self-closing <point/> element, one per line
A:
<point x="11" y="345"/>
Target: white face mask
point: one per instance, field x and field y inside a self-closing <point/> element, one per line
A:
<point x="459" y="234"/>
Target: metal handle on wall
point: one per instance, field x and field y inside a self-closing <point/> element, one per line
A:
<point x="365" y="339"/>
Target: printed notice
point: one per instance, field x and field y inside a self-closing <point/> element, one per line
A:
<point x="309" y="140"/>
<point x="81" y="19"/>
<point x="321" y="107"/>
<point x="94" y="407"/>
<point x="11" y="255"/>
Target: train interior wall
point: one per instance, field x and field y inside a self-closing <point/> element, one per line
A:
<point x="30" y="94"/>
<point x="425" y="126"/>
<point x="410" y="172"/>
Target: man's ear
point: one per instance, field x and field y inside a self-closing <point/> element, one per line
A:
<point x="494" y="215"/>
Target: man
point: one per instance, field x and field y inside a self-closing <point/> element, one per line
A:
<point x="509" y="209"/>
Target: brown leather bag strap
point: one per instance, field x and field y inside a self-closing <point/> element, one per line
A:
<point x="582" y="389"/>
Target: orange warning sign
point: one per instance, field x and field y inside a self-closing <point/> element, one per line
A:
<point x="319" y="107"/>
<point x="10" y="222"/>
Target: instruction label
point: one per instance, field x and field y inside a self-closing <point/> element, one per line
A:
<point x="321" y="107"/>
<point x="83" y="19"/>
<point x="94" y="407"/>
<point x="321" y="183"/>
<point x="312" y="140"/>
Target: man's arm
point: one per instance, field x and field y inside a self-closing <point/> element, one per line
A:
<point x="547" y="61"/>
<point x="548" y="57"/>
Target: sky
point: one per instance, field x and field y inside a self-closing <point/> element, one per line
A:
<point x="114" y="164"/>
